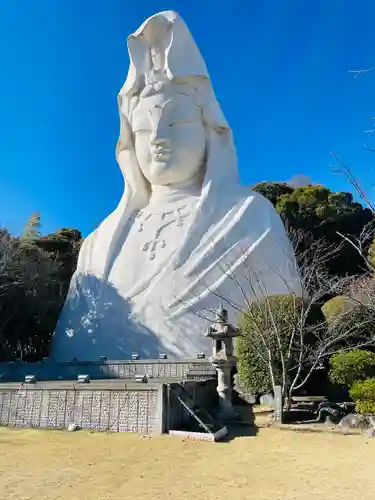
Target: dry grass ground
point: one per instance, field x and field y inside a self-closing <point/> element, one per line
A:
<point x="277" y="464"/>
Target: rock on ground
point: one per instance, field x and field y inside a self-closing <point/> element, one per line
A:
<point x="73" y="427"/>
<point x="370" y="433"/>
<point x="354" y="421"/>
<point x="267" y="399"/>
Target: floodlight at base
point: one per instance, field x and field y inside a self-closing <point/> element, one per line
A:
<point x="141" y="378"/>
<point x="135" y="356"/>
<point x="201" y="355"/>
<point x="30" y="379"/>
<point x="103" y="358"/>
<point x="83" y="379"/>
<point x="72" y="359"/>
<point x="162" y="355"/>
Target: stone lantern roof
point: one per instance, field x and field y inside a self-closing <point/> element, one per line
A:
<point x="222" y="335"/>
<point x="222" y="328"/>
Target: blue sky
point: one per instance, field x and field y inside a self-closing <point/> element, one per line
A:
<point x="280" y="69"/>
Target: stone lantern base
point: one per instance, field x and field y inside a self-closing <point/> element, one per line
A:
<point x="224" y="389"/>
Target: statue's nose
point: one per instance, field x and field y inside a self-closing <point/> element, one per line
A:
<point x="159" y="135"/>
<point x="159" y="141"/>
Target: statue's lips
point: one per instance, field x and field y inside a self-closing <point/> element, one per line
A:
<point x="162" y="156"/>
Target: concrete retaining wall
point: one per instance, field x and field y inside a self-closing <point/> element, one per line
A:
<point x="112" y="405"/>
<point x="125" y="410"/>
<point x="113" y="400"/>
<point x="158" y="369"/>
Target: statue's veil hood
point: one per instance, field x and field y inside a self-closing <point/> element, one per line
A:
<point x="182" y="56"/>
<point x="182" y="63"/>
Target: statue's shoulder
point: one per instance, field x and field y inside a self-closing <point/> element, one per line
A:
<point x="104" y="230"/>
<point x="90" y="238"/>
<point x="86" y="249"/>
<point x="255" y="200"/>
<point x="253" y="207"/>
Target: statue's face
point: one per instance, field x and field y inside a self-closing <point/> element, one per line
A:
<point x="170" y="139"/>
<point x="156" y="59"/>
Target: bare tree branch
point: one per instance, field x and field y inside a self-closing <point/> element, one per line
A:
<point x="358" y="244"/>
<point x="344" y="170"/>
<point x="359" y="72"/>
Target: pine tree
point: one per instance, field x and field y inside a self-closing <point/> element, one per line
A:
<point x="32" y="229"/>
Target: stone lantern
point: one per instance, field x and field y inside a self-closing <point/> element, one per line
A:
<point x="223" y="360"/>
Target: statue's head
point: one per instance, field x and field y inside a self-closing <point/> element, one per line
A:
<point x="172" y="127"/>
<point x="171" y="130"/>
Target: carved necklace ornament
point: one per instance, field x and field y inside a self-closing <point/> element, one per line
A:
<point x="160" y="221"/>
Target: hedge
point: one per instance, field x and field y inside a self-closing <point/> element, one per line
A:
<point x="351" y="366"/>
<point x="284" y="310"/>
<point x="363" y="394"/>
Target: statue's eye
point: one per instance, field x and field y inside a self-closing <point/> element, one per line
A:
<point x="181" y="122"/>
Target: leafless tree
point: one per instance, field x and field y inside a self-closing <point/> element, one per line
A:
<point x="29" y="289"/>
<point x="309" y="343"/>
<point x="362" y="292"/>
<point x="346" y="171"/>
<point x="341" y="168"/>
<point x="9" y="277"/>
<point x="289" y="346"/>
<point x="9" y="255"/>
<point x="362" y="243"/>
<point x="367" y="235"/>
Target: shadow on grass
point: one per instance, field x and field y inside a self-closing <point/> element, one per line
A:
<point x="240" y="430"/>
<point x="300" y="417"/>
<point x="322" y="429"/>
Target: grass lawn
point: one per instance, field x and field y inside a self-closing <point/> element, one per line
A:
<point x="275" y="464"/>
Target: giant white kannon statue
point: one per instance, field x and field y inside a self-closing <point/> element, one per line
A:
<point x="186" y="235"/>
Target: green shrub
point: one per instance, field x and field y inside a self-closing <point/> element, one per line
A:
<point x="254" y="375"/>
<point x="363" y="394"/>
<point x="350" y="320"/>
<point x="337" y="308"/>
<point x="351" y="366"/>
